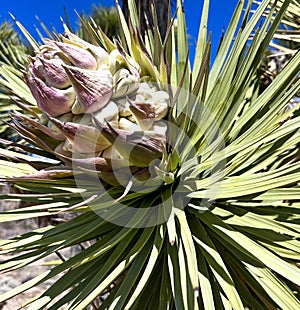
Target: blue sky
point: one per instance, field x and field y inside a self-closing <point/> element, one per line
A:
<point x="50" y="11"/>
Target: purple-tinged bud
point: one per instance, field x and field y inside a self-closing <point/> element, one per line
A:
<point x="52" y="72"/>
<point x="63" y="118"/>
<point x="144" y="114"/>
<point x="50" y="100"/>
<point x="99" y="53"/>
<point x="48" y="44"/>
<point x="82" y="138"/>
<point x="37" y="68"/>
<point x="61" y="150"/>
<point x="79" y="57"/>
<point x="93" y="89"/>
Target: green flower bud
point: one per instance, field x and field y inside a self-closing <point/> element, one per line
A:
<point x="111" y="153"/>
<point x="124" y="107"/>
<point x="138" y="149"/>
<point x="124" y="83"/>
<point x="125" y="124"/>
<point x="109" y="113"/>
<point x="116" y="61"/>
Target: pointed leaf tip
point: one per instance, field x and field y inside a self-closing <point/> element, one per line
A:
<point x="12" y="16"/>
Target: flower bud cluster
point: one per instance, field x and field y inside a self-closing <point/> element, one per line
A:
<point x="95" y="102"/>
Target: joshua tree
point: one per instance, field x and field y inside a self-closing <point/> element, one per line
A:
<point x="12" y="48"/>
<point x="285" y="43"/>
<point x="104" y="17"/>
<point x="12" y="53"/>
<point x="145" y="12"/>
<point x="182" y="179"/>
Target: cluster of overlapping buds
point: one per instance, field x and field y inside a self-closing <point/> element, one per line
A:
<point x="98" y="105"/>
